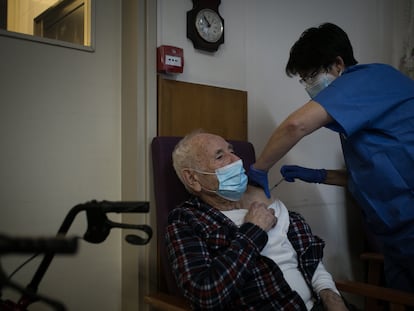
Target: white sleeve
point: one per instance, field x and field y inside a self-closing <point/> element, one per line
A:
<point x="322" y="279"/>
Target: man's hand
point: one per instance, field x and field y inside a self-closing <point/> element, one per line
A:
<point x="291" y="172"/>
<point x="262" y="216"/>
<point x="259" y="178"/>
<point x="332" y="301"/>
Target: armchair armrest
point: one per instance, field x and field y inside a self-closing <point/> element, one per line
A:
<point x="398" y="299"/>
<point x="166" y="302"/>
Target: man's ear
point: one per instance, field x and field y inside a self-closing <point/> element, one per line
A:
<point x="339" y="64"/>
<point x="191" y="180"/>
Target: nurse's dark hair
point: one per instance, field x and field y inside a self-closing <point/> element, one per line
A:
<point x="318" y="48"/>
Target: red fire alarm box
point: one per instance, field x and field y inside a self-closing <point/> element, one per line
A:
<point x="170" y="59"/>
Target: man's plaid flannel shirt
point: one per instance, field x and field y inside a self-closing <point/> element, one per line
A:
<point x="219" y="267"/>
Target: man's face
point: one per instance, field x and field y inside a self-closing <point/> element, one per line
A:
<point x="213" y="152"/>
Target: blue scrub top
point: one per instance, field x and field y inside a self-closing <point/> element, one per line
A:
<point x="373" y="109"/>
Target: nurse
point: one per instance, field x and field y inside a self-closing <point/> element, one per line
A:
<point x="371" y="107"/>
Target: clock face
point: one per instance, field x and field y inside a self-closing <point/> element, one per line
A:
<point x="209" y="25"/>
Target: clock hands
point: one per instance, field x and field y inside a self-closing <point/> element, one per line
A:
<point x="205" y="18"/>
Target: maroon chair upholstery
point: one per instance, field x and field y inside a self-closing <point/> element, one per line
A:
<point x="169" y="192"/>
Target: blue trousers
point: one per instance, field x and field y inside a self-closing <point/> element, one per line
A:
<point x="399" y="273"/>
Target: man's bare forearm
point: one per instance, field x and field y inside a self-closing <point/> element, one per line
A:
<point x="332" y="301"/>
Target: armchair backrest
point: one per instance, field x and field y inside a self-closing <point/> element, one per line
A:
<point x="169" y="192"/>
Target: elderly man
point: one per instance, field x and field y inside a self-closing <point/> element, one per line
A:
<point x="231" y="248"/>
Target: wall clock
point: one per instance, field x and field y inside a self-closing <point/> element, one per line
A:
<point x="205" y="26"/>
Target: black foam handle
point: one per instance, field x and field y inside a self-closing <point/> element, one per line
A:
<point x="24" y="245"/>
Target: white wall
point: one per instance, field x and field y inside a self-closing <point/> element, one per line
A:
<point x="258" y="36"/>
<point x="60" y="136"/>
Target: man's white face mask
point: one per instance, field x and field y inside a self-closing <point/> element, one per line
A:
<point x="317" y="84"/>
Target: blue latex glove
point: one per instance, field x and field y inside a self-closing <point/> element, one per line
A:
<point x="259" y="178"/>
<point x="290" y="172"/>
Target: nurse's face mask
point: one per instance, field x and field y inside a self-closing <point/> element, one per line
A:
<point x="317" y="82"/>
<point x="232" y="181"/>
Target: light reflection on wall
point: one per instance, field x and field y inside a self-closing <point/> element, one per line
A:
<point x="20" y="14"/>
<point x="58" y="22"/>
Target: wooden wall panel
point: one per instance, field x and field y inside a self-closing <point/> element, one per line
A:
<point x="184" y="107"/>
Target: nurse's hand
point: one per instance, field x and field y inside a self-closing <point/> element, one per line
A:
<point x="292" y="172"/>
<point x="259" y="178"/>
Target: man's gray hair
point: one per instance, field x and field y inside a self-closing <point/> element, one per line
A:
<point x="183" y="155"/>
